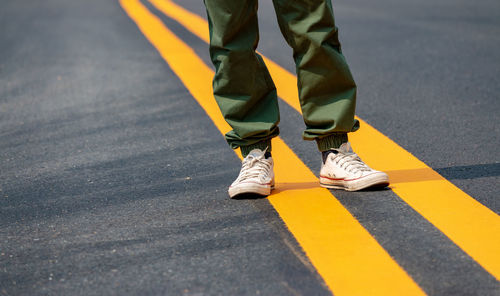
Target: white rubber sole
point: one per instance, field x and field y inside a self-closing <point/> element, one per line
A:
<point x="379" y="179"/>
<point x="250" y="188"/>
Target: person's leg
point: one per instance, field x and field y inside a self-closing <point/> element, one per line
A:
<point x="242" y="85"/>
<point x="327" y="90"/>
<point x="244" y="91"/>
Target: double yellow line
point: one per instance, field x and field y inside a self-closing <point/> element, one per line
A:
<point x="347" y="257"/>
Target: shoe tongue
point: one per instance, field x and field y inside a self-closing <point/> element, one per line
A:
<point x="345" y="148"/>
<point x="256" y="152"/>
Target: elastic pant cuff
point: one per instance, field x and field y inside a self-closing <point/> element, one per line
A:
<point x="245" y="150"/>
<point x="331" y="141"/>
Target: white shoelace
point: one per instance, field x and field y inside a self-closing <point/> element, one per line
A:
<point x="253" y="167"/>
<point x="349" y="161"/>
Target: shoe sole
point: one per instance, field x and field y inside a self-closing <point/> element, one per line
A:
<point x="377" y="180"/>
<point x="250" y="189"/>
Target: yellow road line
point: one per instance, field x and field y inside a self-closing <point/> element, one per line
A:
<point x="347" y="257"/>
<point x="468" y="223"/>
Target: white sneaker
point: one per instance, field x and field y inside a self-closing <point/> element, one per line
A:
<point x="343" y="169"/>
<point x="256" y="175"/>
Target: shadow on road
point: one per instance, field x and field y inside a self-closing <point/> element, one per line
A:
<point x="450" y="173"/>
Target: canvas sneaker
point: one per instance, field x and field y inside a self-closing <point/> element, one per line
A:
<point x="343" y="169"/>
<point x="256" y="175"/>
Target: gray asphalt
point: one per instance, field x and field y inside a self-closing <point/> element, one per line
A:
<point x="113" y="180"/>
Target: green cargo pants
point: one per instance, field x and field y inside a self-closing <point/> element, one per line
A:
<point x="245" y="91"/>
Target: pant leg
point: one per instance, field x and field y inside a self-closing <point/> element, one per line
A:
<point x="242" y="85"/>
<point x="327" y="90"/>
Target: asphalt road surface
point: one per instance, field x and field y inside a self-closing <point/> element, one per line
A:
<point x="113" y="178"/>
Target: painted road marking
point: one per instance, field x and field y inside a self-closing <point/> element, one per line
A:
<point x="347" y="257"/>
<point x="468" y="223"/>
